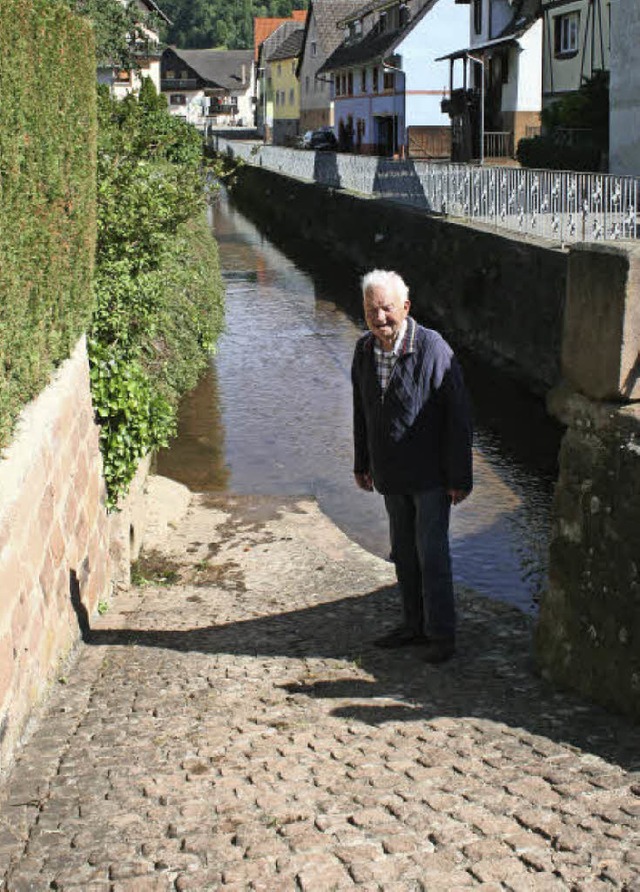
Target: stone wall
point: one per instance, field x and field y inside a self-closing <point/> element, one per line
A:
<point x="54" y="542"/>
<point x="588" y="635"/>
<point x="498" y="294"/>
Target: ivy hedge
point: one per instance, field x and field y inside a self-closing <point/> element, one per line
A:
<point x="47" y="194"/>
<point x="160" y="296"/>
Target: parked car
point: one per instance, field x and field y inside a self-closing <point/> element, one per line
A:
<point x="321" y="140"/>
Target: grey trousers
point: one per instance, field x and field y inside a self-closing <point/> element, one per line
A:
<point x="419" y="529"/>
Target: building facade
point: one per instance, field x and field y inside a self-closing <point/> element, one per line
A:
<point x="209" y="88"/>
<point x="322" y="36"/>
<point x="265" y="96"/>
<point x="283" y="63"/>
<point x="387" y="84"/>
<point x="501" y="71"/>
<point x="576" y="43"/>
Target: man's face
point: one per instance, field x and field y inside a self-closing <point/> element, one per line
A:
<point x="384" y="312"/>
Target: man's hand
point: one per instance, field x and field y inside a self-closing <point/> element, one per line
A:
<point x="457" y="495"/>
<point x="364" y="480"/>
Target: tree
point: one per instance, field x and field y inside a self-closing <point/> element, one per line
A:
<point x="117" y="29"/>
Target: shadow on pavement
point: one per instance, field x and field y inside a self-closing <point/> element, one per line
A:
<point x="491" y="677"/>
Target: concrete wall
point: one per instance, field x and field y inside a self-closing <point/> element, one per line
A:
<point x="501" y="296"/>
<point x="54" y="542"/>
<point x="624" y="149"/>
<point x="588" y="636"/>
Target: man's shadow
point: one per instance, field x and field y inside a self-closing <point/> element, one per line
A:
<point x="491" y="678"/>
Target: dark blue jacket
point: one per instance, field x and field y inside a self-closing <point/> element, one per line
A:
<point x="417" y="435"/>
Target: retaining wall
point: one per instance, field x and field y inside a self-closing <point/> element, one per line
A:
<point x="500" y="295"/>
<point x="54" y="542"/>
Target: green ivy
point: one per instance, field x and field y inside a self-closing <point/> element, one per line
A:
<point x="158" y="285"/>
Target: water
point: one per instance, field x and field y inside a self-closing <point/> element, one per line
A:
<point x="273" y="416"/>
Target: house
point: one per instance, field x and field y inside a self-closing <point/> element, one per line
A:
<point x="263" y="27"/>
<point x="265" y="95"/>
<point x="209" y="87"/>
<point x="501" y="96"/>
<point x="387" y="85"/>
<point x="624" y="120"/>
<point x="576" y="44"/>
<point x="286" y="89"/>
<point x="147" y="52"/>
<point x="321" y="37"/>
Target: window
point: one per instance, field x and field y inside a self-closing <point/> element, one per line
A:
<point x="350" y="84"/>
<point x="279" y="68"/>
<point x="363" y="80"/>
<point x="314" y="48"/>
<point x="338" y="83"/>
<point x="565" y="35"/>
<point x="375" y="79"/>
<point x="388" y="80"/>
<point x="477" y="16"/>
<point x="177" y="99"/>
<point x="383" y="22"/>
<point x="403" y="15"/>
<point x="292" y="96"/>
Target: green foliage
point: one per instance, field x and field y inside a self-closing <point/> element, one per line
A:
<point x="219" y="23"/>
<point x="47" y="194"/>
<point x="576" y="130"/>
<point x="158" y="285"/>
<point x="547" y="153"/>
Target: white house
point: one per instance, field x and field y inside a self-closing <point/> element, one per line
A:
<point x="576" y="43"/>
<point x="122" y="81"/>
<point x="387" y="84"/>
<point x="624" y="129"/>
<point x="209" y="87"/>
<point x="501" y="97"/>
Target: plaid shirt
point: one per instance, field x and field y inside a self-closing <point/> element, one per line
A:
<point x="385" y="362"/>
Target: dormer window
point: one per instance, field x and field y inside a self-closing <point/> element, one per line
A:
<point x="403" y="15"/>
<point x="383" y="22"/>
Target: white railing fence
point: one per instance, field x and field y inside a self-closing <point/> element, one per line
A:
<point x="559" y="205"/>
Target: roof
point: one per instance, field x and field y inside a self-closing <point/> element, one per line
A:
<point x="326" y="14"/>
<point x="223" y="68"/>
<point x="263" y="27"/>
<point x="152" y="6"/>
<point x="289" y="48"/>
<point x="373" y="45"/>
<point x="525" y="14"/>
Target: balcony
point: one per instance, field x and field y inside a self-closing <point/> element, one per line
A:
<point x="176" y="83"/>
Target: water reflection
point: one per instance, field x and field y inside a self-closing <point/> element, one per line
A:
<point x="274" y="416"/>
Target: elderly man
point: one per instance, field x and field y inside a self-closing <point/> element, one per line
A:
<point x="412" y="439"/>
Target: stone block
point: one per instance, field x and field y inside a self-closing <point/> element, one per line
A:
<point x="601" y="342"/>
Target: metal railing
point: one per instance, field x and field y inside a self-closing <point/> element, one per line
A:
<point x="562" y="206"/>
<point x="498" y="144"/>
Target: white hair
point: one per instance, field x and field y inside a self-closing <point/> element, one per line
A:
<point x="383" y="278"/>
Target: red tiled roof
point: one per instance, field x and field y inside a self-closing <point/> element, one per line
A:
<point x="263" y="27"/>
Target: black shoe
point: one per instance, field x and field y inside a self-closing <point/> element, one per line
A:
<point x="439" y="650"/>
<point x="400" y="637"/>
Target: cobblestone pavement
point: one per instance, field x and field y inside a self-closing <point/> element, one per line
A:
<point x="230" y="725"/>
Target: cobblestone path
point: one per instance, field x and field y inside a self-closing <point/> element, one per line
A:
<point x="229" y="725"/>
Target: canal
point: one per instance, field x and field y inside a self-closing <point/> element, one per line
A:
<point x="273" y="416"/>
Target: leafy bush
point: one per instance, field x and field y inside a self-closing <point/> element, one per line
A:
<point x="576" y="130"/>
<point x="158" y="285"/>
<point x="47" y="193"/>
<point x="547" y="153"/>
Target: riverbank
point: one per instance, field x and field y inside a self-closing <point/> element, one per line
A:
<point x="230" y="725"/>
